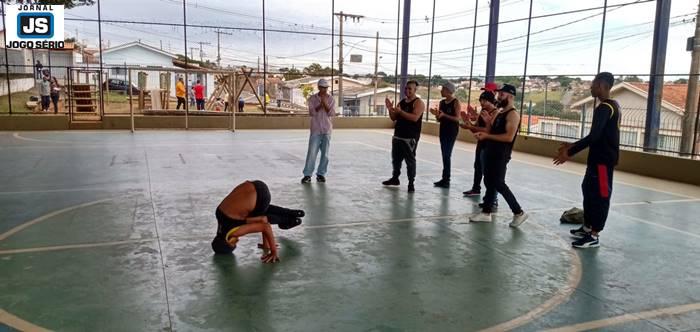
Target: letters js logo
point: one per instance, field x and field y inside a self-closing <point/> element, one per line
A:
<point x="35" y="25"/>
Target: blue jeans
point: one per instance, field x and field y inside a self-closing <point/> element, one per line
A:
<point x="447" y="144"/>
<point x="317" y="142"/>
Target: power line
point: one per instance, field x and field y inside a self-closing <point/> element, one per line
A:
<point x="534" y="17"/>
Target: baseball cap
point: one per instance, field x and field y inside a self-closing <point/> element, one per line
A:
<point x="449" y="86"/>
<point x="507" y="88"/>
<point x="490" y="86"/>
<point x="323" y="83"/>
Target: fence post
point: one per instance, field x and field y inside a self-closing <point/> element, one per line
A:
<point x="529" y="116"/>
<point x="7" y="61"/>
<point x="583" y="121"/>
<point x="131" y="106"/>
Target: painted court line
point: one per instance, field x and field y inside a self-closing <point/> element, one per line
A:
<point x="22" y="226"/>
<point x="667" y="201"/>
<point x="559" y="169"/>
<point x="72" y="144"/>
<point x="680" y="231"/>
<point x="562" y="295"/>
<point x="18" y="323"/>
<point x="327" y="226"/>
<point x="597" y="324"/>
<point x="73" y="246"/>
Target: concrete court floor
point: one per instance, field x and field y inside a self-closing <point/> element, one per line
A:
<point x="110" y="231"/>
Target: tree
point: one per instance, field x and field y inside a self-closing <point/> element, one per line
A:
<point x="68" y="3"/>
<point x="292" y="74"/>
<point x="512" y="80"/>
<point x="307" y="90"/>
<point x="437" y="80"/>
<point x="632" y="79"/>
<point x="461" y="95"/>
<point x="316" y="69"/>
<point x="681" y="81"/>
<point x="564" y="81"/>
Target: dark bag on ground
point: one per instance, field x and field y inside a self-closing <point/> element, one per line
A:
<point x="572" y="216"/>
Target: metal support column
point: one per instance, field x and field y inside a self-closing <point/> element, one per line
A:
<point x="404" y="45"/>
<point x="492" y="41"/>
<point x="656" y="81"/>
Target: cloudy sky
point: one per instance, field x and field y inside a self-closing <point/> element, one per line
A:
<point x="559" y="44"/>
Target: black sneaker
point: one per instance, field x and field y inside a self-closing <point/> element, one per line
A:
<point x="391" y="182"/>
<point x="306" y="179"/>
<point x="578" y="233"/>
<point x="493" y="208"/>
<point x="442" y="184"/>
<point x="320" y="178"/>
<point x="587" y="241"/>
<point x="411" y="188"/>
<point x="472" y="192"/>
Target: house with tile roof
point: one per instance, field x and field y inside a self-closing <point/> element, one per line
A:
<point x="632" y="98"/>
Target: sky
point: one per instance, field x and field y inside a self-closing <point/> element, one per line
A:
<point x="566" y="44"/>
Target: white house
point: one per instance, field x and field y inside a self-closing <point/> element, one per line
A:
<point x="22" y="61"/>
<point x="632" y="98"/>
<point x="153" y="61"/>
<point x="292" y="90"/>
<point x="361" y="102"/>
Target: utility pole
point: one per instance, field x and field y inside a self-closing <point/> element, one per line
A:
<point x="218" y="45"/>
<point x="342" y="17"/>
<point x="201" y="52"/>
<point x="691" y="102"/>
<point x="192" y="51"/>
<point x="376" y="78"/>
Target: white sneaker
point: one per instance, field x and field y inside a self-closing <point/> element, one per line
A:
<point x="518" y="219"/>
<point x="481" y="217"/>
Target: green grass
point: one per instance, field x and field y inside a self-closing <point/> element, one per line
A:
<point x="19" y="102"/>
<point x="538" y="97"/>
<point x="118" y="98"/>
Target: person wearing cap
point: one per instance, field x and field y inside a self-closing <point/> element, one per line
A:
<point x="447" y="114"/>
<point x="247" y="210"/>
<point x="490" y="87"/>
<point x="603" y="142"/>
<point x="488" y="102"/>
<point x="408" y="117"/>
<point x="498" y="146"/>
<point x="321" y="110"/>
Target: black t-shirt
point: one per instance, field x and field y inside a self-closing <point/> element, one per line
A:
<point x="604" y="137"/>
<point x="499" y="126"/>
<point x="480" y="123"/>
<point x="407" y="128"/>
<point x="447" y="126"/>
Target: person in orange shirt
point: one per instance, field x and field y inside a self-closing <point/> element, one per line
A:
<point x="180" y="93"/>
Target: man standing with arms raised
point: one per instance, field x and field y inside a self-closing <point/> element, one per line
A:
<point x="321" y="110"/>
<point x="408" y="116"/>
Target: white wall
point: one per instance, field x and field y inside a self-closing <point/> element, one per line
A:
<point x="16" y="85"/>
<point x="634" y="111"/>
<point x="20" y="61"/>
<point x="136" y="56"/>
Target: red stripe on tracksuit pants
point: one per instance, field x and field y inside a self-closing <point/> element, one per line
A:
<point x="597" y="189"/>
